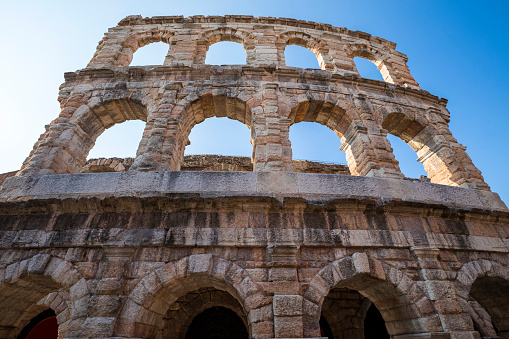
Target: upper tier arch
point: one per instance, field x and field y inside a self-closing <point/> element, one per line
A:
<point x="263" y="38"/>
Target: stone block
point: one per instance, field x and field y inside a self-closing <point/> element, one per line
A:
<point x="276" y="183"/>
<point x="288" y="327"/>
<point x="98" y="327"/>
<point x="287" y="305"/>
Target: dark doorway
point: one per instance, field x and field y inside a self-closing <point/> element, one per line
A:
<point x="42" y="326"/>
<point x="325" y="330"/>
<point x="374" y="325"/>
<point x="492" y="293"/>
<point x="217" y="323"/>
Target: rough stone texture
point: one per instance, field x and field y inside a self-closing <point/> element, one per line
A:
<point x="207" y="162"/>
<point x="4" y="176"/>
<point x="135" y="248"/>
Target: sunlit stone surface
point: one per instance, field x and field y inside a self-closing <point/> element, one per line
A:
<point x="167" y="246"/>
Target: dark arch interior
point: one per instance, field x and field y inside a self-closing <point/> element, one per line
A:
<point x="492" y="293"/>
<point x="217" y="323"/>
<point x="325" y="330"/>
<point x="374" y="325"/>
<point x="348" y="314"/>
<point x="42" y="326"/>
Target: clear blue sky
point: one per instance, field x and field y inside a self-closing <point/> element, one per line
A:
<point x="457" y="50"/>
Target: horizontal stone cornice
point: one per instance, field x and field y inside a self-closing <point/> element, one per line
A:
<point x="245" y="76"/>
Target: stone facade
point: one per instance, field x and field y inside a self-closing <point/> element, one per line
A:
<point x="144" y="248"/>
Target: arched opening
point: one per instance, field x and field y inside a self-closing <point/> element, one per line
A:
<point x="205" y="313"/>
<point x="215" y="136"/>
<point x="357" y="282"/>
<point x="44" y="325"/>
<point x="187" y="288"/>
<point x="406" y="157"/>
<point x="226" y="53"/>
<point x="315" y="143"/>
<point x="120" y="140"/>
<point x="217" y="323"/>
<point x="31" y="298"/>
<point x="114" y="129"/>
<point x="406" y="140"/>
<point x="367" y="69"/>
<point x="151" y="54"/>
<point x="218" y="144"/>
<point x="298" y="56"/>
<point x="348" y="314"/>
<point x="319" y="141"/>
<point x="491" y="314"/>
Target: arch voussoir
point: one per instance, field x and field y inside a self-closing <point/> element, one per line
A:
<point x="403" y="304"/>
<point x="154" y="294"/>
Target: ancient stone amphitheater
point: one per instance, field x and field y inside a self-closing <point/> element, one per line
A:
<point x="211" y="247"/>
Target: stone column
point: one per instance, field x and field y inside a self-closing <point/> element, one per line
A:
<point x="163" y="142"/>
<point x="186" y="50"/>
<point x="445" y="160"/>
<point x="111" y="54"/>
<point x="113" y="50"/>
<point x="263" y="51"/>
<point x="455" y="320"/>
<point x="368" y="152"/>
<point x="63" y="148"/>
<point x="287" y="301"/>
<point x="396" y="69"/>
<point x="343" y="64"/>
<point x="107" y="298"/>
<point x="270" y="134"/>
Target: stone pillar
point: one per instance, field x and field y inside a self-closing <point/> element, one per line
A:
<point x="368" y="152"/>
<point x="163" y="143"/>
<point x="343" y="64"/>
<point x="445" y="160"/>
<point x="455" y="320"/>
<point x="108" y="296"/>
<point x="270" y="134"/>
<point x="264" y="51"/>
<point x="287" y="301"/>
<point x="397" y="70"/>
<point x="63" y="148"/>
<point x="112" y="53"/>
<point x="281" y="46"/>
<point x="114" y="49"/>
<point x="186" y="50"/>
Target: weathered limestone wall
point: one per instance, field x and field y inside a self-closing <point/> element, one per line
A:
<point x="264" y="95"/>
<point x="139" y="248"/>
<point x="114" y="251"/>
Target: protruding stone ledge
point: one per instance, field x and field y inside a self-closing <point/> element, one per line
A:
<point x="133" y="20"/>
<point x="188" y="73"/>
<point x="246" y="184"/>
